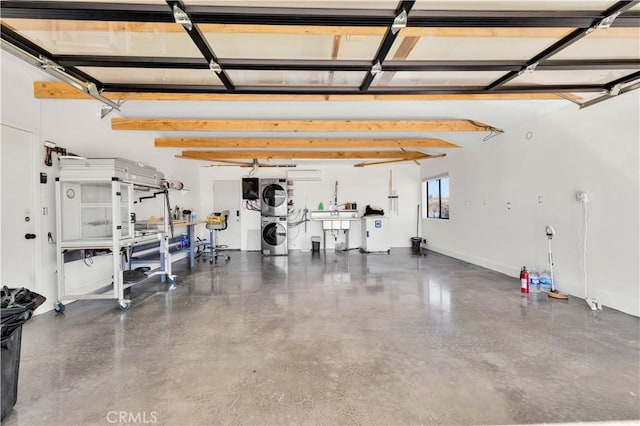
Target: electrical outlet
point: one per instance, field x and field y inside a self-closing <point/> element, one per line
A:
<point x="582" y="197"/>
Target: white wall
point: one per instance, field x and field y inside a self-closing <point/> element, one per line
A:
<point x="570" y="150"/>
<point x="593" y="150"/>
<point x="75" y="125"/>
<point x="22" y="111"/>
<point x="368" y="185"/>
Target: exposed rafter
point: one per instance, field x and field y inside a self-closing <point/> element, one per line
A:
<point x="301" y="143"/>
<point x="155" y="27"/>
<point x="232" y="157"/>
<point x="285" y="125"/>
<point x="301" y="155"/>
<point x="403" y="52"/>
<point x="58" y="90"/>
<point x="335" y="50"/>
<point x="376" y="163"/>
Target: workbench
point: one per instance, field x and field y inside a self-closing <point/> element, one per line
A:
<point x="190" y="225"/>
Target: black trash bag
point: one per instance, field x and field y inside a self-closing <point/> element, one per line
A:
<point x="134" y="275"/>
<point x="371" y="211"/>
<point x="17" y="306"/>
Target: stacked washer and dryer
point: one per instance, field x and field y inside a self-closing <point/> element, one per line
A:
<point x="274" y="206"/>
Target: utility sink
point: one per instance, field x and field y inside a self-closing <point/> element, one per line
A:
<point x="334" y="219"/>
<point x="334" y="215"/>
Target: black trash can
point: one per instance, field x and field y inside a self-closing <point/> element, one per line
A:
<point x="17" y="306"/>
<point x="10" y="352"/>
<point x="415" y="245"/>
<point x="315" y="245"/>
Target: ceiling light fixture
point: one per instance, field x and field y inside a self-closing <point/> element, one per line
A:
<point x="181" y="18"/>
<point x="215" y="67"/>
<point x="376" y="68"/>
<point x="399" y="22"/>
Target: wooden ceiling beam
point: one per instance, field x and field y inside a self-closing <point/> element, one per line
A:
<point x="403" y="52"/>
<point x="286" y="125"/>
<point x="376" y="163"/>
<point x="302" y="155"/>
<point x="149" y="27"/>
<point x="233" y="162"/>
<point x="301" y="143"/>
<point x="161" y="27"/>
<point x="60" y="90"/>
<point x="335" y="50"/>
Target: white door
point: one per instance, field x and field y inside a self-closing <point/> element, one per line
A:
<point x="17" y="193"/>
<point x="227" y="195"/>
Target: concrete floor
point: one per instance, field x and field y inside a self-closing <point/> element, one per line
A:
<point x="353" y="339"/>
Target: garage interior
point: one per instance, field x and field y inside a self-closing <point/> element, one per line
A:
<point x="256" y="212"/>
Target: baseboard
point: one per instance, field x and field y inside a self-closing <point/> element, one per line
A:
<point x="575" y="290"/>
<point x="485" y="263"/>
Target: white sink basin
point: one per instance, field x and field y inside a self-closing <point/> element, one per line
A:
<point x="334" y="215"/>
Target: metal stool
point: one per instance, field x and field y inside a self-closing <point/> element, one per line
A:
<point x="216" y="222"/>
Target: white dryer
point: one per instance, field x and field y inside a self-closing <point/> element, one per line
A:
<point x="274" y="236"/>
<point x="273" y="197"/>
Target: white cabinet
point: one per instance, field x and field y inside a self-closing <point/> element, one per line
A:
<point x="376" y="234"/>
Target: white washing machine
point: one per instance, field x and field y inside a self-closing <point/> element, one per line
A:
<point x="273" y="197"/>
<point x="274" y="236"/>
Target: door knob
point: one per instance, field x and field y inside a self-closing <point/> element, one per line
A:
<point x="30" y="236"/>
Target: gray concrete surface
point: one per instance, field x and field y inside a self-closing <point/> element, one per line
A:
<point x="350" y="339"/>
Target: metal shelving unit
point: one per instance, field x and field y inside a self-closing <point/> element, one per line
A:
<point x="95" y="211"/>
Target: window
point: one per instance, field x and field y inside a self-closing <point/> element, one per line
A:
<point x="438" y="198"/>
